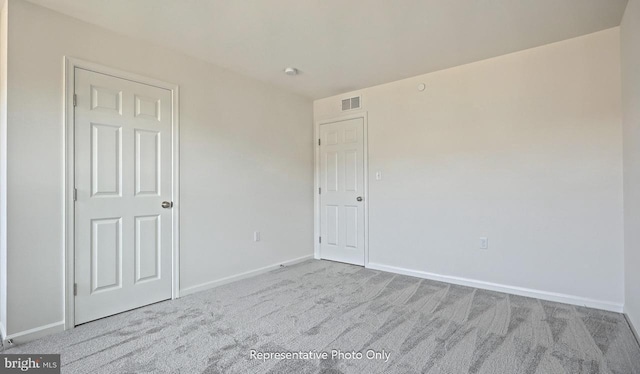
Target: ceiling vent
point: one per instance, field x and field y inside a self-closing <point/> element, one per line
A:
<point x="351" y="103"/>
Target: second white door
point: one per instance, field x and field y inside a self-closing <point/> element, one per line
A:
<point x="342" y="191"/>
<point x="123" y="177"/>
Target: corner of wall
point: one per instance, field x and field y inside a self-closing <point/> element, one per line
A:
<point x="630" y="58"/>
<point x="4" y="10"/>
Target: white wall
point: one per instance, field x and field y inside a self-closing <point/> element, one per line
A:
<point x="630" y="47"/>
<point x="246" y="161"/>
<point x="3" y="167"/>
<point x="525" y="149"/>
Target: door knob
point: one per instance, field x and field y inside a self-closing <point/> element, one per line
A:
<point x="359" y="198"/>
<point x="167" y="204"/>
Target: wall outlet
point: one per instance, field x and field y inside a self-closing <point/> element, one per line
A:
<point x="378" y="175"/>
<point x="484" y="243"/>
<point x="256" y="236"/>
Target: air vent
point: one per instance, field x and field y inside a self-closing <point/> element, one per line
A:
<point x="355" y="102"/>
<point x="351" y="103"/>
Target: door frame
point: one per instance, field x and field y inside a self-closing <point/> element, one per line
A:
<point x="316" y="180"/>
<point x="70" y="64"/>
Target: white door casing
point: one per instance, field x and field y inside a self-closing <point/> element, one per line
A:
<point x="123" y="173"/>
<point x="342" y="191"/>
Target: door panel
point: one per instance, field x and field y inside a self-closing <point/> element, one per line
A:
<point x="148" y="162"/>
<point x="106" y="250"/>
<point x="351" y="164"/>
<point x="149" y="107"/>
<point x="147" y="248"/>
<point x="332" y="221"/>
<point x="351" y="223"/>
<point x="106" y="99"/>
<point x="123" y="172"/>
<point x="106" y="170"/>
<point x="331" y="171"/>
<point x="341" y="183"/>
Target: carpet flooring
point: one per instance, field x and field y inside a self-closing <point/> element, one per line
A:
<point x="406" y="324"/>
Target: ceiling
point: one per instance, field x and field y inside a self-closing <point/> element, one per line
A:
<point x="345" y="45"/>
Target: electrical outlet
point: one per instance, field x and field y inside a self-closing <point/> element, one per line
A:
<point x="256" y="236"/>
<point x="484" y="243"/>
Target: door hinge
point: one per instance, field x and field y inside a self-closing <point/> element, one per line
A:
<point x="318" y="141"/>
<point x="319" y="190"/>
<point x="75" y="194"/>
<point x="319" y="239"/>
<point x="75" y="289"/>
<point x="75" y="99"/>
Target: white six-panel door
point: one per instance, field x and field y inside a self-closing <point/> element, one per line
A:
<point x="123" y="174"/>
<point x="342" y="191"/>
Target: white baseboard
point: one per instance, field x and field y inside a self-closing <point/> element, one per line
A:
<point x="543" y="295"/>
<point x="237" y="277"/>
<point x="633" y="328"/>
<point x="35" y="333"/>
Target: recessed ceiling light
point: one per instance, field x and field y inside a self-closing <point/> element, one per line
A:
<point x="291" y="71"/>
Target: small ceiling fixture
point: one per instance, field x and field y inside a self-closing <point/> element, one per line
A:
<point x="291" y="71"/>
